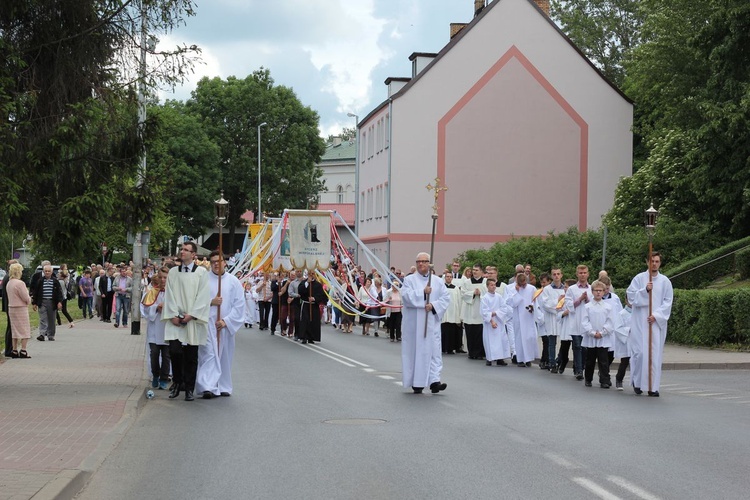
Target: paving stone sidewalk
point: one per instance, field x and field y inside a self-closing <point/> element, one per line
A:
<point x="66" y="408"/>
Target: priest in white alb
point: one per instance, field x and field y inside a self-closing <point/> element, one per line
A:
<point x="425" y="300"/>
<point x="660" y="289"/>
<point x="215" y="356"/>
<point x="524" y="327"/>
<point x="495" y="314"/>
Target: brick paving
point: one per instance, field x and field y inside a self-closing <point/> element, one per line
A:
<point x="62" y="406"/>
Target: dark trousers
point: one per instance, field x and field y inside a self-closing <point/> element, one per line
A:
<point x="107" y="305"/>
<point x="450" y="334"/>
<point x="184" y="359"/>
<point x="292" y="315"/>
<point x="159" y="361"/>
<point x="8" y="338"/>
<point x="474" y="342"/>
<point x="283" y="316"/>
<point x="594" y="355"/>
<point x="563" y="355"/>
<point x="545" y="351"/>
<point x="275" y="318"/>
<point x="264" y="308"/>
<point x="395" y="325"/>
<point x="624" y="363"/>
<point x="65" y="312"/>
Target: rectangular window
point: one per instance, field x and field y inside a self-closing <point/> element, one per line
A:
<point x="387" y="131"/>
<point x="362" y="207"/>
<point x="385" y="200"/>
<point x="363" y="147"/>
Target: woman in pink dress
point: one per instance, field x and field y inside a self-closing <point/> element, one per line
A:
<point x="18" y="307"/>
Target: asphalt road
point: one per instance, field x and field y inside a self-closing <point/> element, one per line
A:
<point x="331" y="421"/>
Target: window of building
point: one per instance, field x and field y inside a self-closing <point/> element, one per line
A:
<point x="362" y="207"/>
<point x="387" y="131"/>
<point x="385" y="200"/>
<point x="339" y="194"/>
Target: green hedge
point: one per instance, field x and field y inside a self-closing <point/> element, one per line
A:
<point x="710" y="318"/>
<point x="742" y="263"/>
<point x="697" y="277"/>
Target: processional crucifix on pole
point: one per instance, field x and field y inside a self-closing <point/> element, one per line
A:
<point x="437" y="188"/>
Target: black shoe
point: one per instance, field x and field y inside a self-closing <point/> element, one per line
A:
<point x="543" y="366"/>
<point x="637" y="390"/>
<point x="273" y="332"/>
<point x="579" y="376"/>
<point x="459" y="351"/>
<point x="553" y="369"/>
<point x="488" y="363"/>
<point x="417" y="390"/>
<point x="175" y="391"/>
<point x="654" y="394"/>
<point x="436" y="387"/>
<point x="206" y="395"/>
<point x="587" y="383"/>
<point x="51" y="339"/>
<point x="310" y="341"/>
<point x="450" y="352"/>
<point x="501" y="362"/>
<point x="605" y="386"/>
<point x="528" y="364"/>
<point x="189" y="395"/>
<point x="41" y="338"/>
<point x="513" y="359"/>
<point x="376" y="334"/>
<point x="225" y="394"/>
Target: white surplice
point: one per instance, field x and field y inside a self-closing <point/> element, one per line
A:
<point x="596" y="316"/>
<point x="548" y="301"/>
<point x="215" y="361"/>
<point x="187" y="293"/>
<point x="622" y="334"/>
<point x="496" y="345"/>
<point x="421" y="357"/>
<point x="661" y="309"/>
<point x="524" y="326"/>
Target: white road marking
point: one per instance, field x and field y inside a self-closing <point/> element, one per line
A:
<point x="368" y="370"/>
<point x="385" y="377"/>
<point x="731" y="397"/>
<point x="343" y="357"/>
<point x="449" y="405"/>
<point x="635" y="490"/>
<point x="595" y="488"/>
<point x="327" y="355"/>
<point x="711" y="394"/>
<point x="688" y="392"/>
<point x="561" y="461"/>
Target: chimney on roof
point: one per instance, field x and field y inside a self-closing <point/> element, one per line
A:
<point x="337" y="141"/>
<point x="478" y="6"/>
<point x="543" y="5"/>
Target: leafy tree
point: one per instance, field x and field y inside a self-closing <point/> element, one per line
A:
<point x="68" y="129"/>
<point x="231" y="111"/>
<point x="605" y="30"/>
<point x="185" y="165"/>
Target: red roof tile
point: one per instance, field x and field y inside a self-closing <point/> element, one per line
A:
<point x="345" y="210"/>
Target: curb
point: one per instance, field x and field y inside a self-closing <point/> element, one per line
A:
<point x="67" y="484"/>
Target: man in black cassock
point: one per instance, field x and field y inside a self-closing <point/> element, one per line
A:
<point x="311" y="296"/>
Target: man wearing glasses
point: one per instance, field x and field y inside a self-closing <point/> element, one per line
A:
<point x="425" y="299"/>
<point x="187" y="300"/>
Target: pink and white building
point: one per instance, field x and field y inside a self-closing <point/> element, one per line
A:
<point x="528" y="136"/>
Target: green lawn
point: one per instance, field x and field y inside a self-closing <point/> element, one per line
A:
<point x="73" y="310"/>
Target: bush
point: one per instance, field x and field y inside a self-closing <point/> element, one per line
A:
<point x="710" y="318"/>
<point x="702" y="270"/>
<point x="742" y="263"/>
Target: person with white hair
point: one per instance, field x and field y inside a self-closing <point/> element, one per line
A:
<point x="425" y="300"/>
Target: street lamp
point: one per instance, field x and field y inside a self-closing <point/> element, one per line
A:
<point x="651" y="215"/>
<point x="259" y="217"/>
<point x="356" y="178"/>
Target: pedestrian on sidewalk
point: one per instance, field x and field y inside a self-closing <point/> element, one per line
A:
<point x="86" y="292"/>
<point x="65" y="283"/>
<point x="47" y="299"/>
<point x="8" y="332"/>
<point x="18" y="310"/>
<point x="107" y="293"/>
<point x="123" y="287"/>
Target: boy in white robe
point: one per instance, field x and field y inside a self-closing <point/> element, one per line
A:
<point x="549" y="300"/>
<point x="660" y="288"/>
<point x="524" y="326"/>
<point x="495" y="314"/>
<point x="214" y="376"/>
<point x="597" y="328"/>
<point x="421" y="356"/>
<point x="611" y="297"/>
<point x="622" y="344"/>
<point x="576" y="297"/>
<point x="151" y="306"/>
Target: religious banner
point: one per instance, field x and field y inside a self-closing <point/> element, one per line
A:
<point x="254" y="229"/>
<point x="309" y="239"/>
<point x="282" y="248"/>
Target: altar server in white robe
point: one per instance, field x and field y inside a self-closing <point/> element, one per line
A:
<point x="251" y="303"/>
<point x="553" y="295"/>
<point x="660" y="289"/>
<point x="622" y="344"/>
<point x="421" y="357"/>
<point x="215" y="358"/>
<point x="524" y="326"/>
<point x="151" y="306"/>
<point x="187" y="299"/>
<point x="495" y="314"/>
<point x="612" y="299"/>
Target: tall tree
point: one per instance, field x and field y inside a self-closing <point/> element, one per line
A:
<point x="184" y="162"/>
<point x="68" y="129"/>
<point x="605" y="30"/>
<point x="231" y="111"/>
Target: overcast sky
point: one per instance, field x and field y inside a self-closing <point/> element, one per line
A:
<point x="335" y="54"/>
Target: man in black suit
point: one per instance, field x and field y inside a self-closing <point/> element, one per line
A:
<point x="107" y="292"/>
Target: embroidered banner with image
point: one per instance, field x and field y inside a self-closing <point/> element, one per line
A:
<point x="309" y="239"/>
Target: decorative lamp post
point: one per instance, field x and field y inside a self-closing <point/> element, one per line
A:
<point x="651" y="215"/>
<point x="357" y="208"/>
<point x="221" y="221"/>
